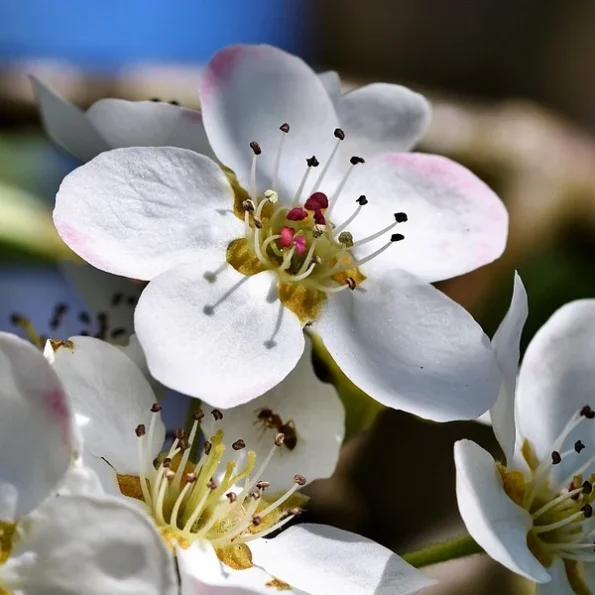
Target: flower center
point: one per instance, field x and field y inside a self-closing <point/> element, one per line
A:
<point x="187" y="504"/>
<point x="562" y="510"/>
<point x="296" y="238"/>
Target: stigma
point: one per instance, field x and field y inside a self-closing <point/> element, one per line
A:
<point x="295" y="236"/>
<point x="188" y="504"/>
<point x="561" y="508"/>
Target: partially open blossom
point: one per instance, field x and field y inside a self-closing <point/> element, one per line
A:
<point x="113" y="123"/>
<point x="217" y="510"/>
<point x="222" y="317"/>
<point x="71" y="544"/>
<point x="533" y="512"/>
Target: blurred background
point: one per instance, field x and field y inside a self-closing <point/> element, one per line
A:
<point x="513" y="92"/>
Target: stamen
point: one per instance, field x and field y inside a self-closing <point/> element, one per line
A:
<point x="547" y="507"/>
<point x="558" y="524"/>
<point x="398" y="219"/>
<point x="257" y="151"/>
<point x="284" y="128"/>
<point x="310" y="163"/>
<point x="339" y="135"/>
<point x="333" y="201"/>
<point x="362" y="201"/>
<point x="308" y="259"/>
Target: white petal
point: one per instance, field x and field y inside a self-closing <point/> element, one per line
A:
<point x="202" y="573"/>
<point x="67" y="125"/>
<point x="498" y="525"/>
<point x="224" y="339"/>
<point x="137" y="212"/>
<point x="320" y="560"/>
<point x="410" y="347"/>
<point x="557" y="378"/>
<point x="36" y="437"/>
<point x="317" y="415"/>
<point x="81" y="480"/>
<point x="382" y="118"/>
<point x="103" y="471"/>
<point x="149" y="124"/>
<point x="111" y="397"/>
<point x="332" y="85"/>
<point x="456" y="223"/>
<point x="246" y="93"/>
<point x="507" y="343"/>
<point x="78" y="544"/>
<point x="559" y="584"/>
<point x="105" y="294"/>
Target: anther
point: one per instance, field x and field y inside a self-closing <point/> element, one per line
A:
<point x="355" y="160"/>
<point x="397" y="237"/>
<point x="17" y="319"/>
<point x="401" y="217"/>
<point x="255" y="147"/>
<point x="318" y="200"/>
<point x="174" y="102"/>
<point x="238" y="444"/>
<point x="217" y="414"/>
<point x="231" y="496"/>
<point x="578" y="446"/>
<point x="156" y="408"/>
<point x="183" y="444"/>
<point x="284" y="127"/>
<point x="318" y="230"/>
<point x="166" y="463"/>
<point x="212" y="485"/>
<point x="170" y="475"/>
<point x="319" y="217"/>
<point x="256" y="520"/>
<point x="299" y="479"/>
<point x="312" y="161"/>
<point x="296" y="214"/>
<point x="350" y="281"/>
<point x="339" y="134"/>
<point x="190" y="477"/>
<point x="587" y="412"/>
<point x="256" y="495"/>
<point x="587" y="510"/>
<point x="207" y="447"/>
<point x="263" y="485"/>
<point x="248" y="205"/>
<point x="198" y="415"/>
<point x="295" y="511"/>
<point x="180" y="433"/>
<point x="279" y="439"/>
<point x="556" y="458"/>
<point x="587" y="487"/>
<point x="155" y="99"/>
<point x="362" y="200"/>
<point x="84" y="317"/>
<point x="271" y="196"/>
<point x="346" y="239"/>
<point x="140" y="430"/>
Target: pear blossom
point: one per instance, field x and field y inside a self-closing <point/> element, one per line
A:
<point x="113" y="123"/>
<point x="78" y="542"/>
<point x="300" y="234"/>
<point x="533" y="513"/>
<point x="217" y="513"/>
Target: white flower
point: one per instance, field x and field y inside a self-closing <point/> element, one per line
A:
<point x="114" y="123"/>
<point x="234" y="278"/>
<point x="534" y="514"/>
<point x="217" y="513"/>
<point x="73" y="543"/>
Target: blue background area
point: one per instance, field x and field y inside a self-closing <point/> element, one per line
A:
<point x="102" y="34"/>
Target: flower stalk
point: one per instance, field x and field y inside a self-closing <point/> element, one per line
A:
<point x="459" y="547"/>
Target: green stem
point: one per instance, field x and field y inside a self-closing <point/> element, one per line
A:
<point x="442" y="552"/>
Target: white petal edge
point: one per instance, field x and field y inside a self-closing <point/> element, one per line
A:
<point x="247" y="92"/>
<point x="67" y="125"/>
<point x="111" y="397"/>
<point x="498" y="525"/>
<point x="507" y="344"/>
<point x="557" y="378"/>
<point x="139" y="211"/>
<point x="318" y="416"/>
<point x="320" y="560"/>
<point x="84" y="544"/>
<point x="225" y="339"/>
<point x="410" y="347"/>
<point x="36" y="425"/>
